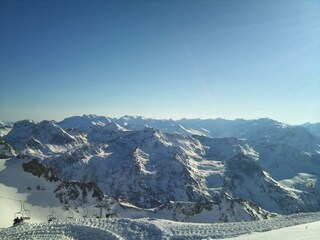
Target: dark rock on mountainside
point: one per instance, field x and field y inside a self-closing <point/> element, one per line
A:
<point x="6" y="150"/>
<point x="66" y="191"/>
<point x="39" y="170"/>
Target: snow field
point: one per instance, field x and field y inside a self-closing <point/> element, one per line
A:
<point x="124" y="228"/>
<point x="309" y="231"/>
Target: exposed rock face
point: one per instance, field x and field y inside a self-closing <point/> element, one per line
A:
<point x="224" y="210"/>
<point x="76" y="191"/>
<point x="6" y="151"/>
<point x="39" y="170"/>
<point x="66" y="191"/>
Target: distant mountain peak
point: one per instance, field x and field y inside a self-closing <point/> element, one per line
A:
<point x="26" y="122"/>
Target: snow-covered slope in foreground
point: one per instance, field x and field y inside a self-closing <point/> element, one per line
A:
<point x="308" y="231"/>
<point x="163" y="229"/>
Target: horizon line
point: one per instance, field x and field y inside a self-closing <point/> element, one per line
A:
<point x="160" y="119"/>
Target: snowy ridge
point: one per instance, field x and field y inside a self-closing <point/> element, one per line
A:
<point x="169" y="126"/>
<point x="40" y="139"/>
<point x="84" y="123"/>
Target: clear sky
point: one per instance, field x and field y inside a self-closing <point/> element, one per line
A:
<point x="160" y="59"/>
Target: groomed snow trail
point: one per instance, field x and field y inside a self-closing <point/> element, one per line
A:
<point x="308" y="231"/>
<point x="149" y="229"/>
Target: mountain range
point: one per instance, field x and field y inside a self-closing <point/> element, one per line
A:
<point x="188" y="170"/>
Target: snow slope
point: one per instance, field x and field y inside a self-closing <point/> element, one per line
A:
<point x="124" y="228"/>
<point x="309" y="231"/>
<point x="14" y="183"/>
<point x="41" y="192"/>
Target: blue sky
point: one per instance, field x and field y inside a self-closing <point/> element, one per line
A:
<point x="160" y="59"/>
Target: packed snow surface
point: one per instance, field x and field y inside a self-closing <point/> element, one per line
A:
<point x="124" y="228"/>
<point x="307" y="231"/>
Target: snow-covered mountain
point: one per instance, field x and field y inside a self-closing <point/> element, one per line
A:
<point x="97" y="129"/>
<point x="185" y="170"/>
<point x="4" y="128"/>
<point x="169" y="126"/>
<point x="40" y="139"/>
<point x="284" y="151"/>
<point x="84" y="123"/>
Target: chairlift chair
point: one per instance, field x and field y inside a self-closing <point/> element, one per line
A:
<point x="19" y="214"/>
<point x="70" y="215"/>
<point x="85" y="213"/>
<point x="25" y="212"/>
<point x="95" y="213"/>
<point x="52" y="215"/>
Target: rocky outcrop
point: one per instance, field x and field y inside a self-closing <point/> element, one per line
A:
<point x="76" y="191"/>
<point x="6" y="151"/>
<point x="37" y="169"/>
<point x="66" y="191"/>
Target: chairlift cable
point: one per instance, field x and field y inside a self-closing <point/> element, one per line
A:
<point x="11" y="199"/>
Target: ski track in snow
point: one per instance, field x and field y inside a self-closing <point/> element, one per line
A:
<point x="123" y="228"/>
